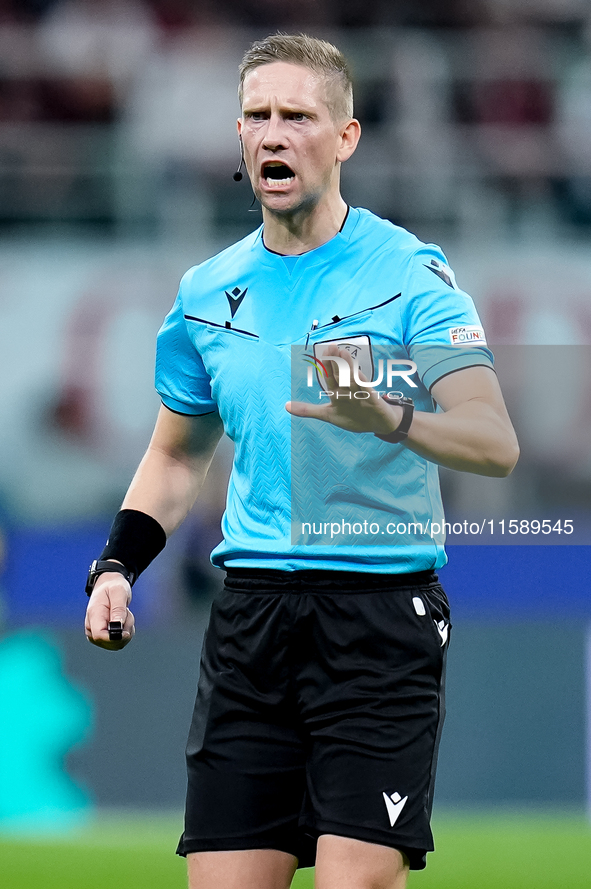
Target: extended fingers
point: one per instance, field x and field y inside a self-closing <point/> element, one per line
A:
<point x="332" y="367"/>
<point x="356" y="375"/>
<point x="304" y="409"/>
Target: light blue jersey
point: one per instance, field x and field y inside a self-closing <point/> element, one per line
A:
<point x="247" y="333"/>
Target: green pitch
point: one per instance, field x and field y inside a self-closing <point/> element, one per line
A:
<point x="477" y="851"/>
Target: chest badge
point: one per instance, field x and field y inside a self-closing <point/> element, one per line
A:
<point x="359" y="347"/>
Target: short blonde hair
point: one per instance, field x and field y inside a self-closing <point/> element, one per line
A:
<point x="309" y="52"/>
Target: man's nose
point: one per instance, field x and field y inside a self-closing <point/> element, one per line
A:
<point x="275" y="138"/>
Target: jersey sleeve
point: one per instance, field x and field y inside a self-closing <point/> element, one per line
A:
<point x="443" y="332"/>
<point x="181" y="379"/>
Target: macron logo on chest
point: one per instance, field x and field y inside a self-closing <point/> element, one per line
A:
<point x="235" y="298"/>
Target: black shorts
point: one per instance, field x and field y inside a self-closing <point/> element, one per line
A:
<point x="319" y="711"/>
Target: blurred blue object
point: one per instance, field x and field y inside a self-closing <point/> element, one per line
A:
<point x="43" y="717"/>
<point x="45" y="572"/>
<point x="505" y="582"/>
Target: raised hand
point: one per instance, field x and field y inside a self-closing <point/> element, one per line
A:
<point x="355" y="408"/>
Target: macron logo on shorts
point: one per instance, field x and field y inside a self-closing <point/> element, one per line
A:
<point x="394" y="804"/>
<point x="442" y="629"/>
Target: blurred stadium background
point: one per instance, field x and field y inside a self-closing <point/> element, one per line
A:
<point x="117" y="148"/>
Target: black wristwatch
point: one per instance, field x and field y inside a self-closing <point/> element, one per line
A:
<point x="101" y="567"/>
<point x="408" y="409"/>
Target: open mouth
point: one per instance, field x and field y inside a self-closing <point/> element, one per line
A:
<point x="277" y="174"/>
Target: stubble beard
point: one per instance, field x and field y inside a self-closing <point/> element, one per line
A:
<point x="303" y="207"/>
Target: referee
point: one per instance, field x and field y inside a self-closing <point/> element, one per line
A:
<point x="320" y="701"/>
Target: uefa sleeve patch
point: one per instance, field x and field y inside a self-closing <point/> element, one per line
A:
<point x="467" y="336"/>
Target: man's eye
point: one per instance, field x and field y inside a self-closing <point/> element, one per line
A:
<point x="297" y="115"/>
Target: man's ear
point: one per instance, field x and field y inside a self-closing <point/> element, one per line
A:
<point x="350" y="135"/>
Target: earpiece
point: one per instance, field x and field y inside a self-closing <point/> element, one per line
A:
<point x="238" y="174"/>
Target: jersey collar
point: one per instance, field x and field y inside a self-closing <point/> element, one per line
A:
<point x="324" y="253"/>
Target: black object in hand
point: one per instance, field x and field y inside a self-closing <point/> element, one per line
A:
<point x="115" y="631"/>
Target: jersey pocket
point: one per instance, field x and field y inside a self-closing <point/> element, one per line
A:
<point x="346" y="323"/>
<point x="355" y="318"/>
<point x="223" y="328"/>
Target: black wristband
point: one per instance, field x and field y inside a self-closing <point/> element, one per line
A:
<point x="135" y="540"/>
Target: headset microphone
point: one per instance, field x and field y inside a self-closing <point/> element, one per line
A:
<point x="238" y="174"/>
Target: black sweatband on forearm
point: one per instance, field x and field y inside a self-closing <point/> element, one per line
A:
<point x="135" y="540"/>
